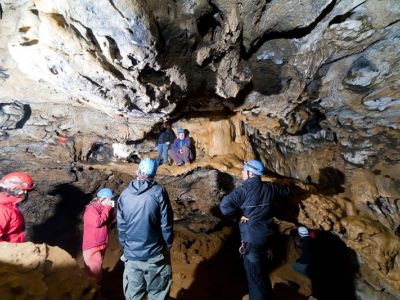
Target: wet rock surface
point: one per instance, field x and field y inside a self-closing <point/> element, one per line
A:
<point x="309" y="87"/>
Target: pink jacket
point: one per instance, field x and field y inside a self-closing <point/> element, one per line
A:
<point x="11" y="219"/>
<point x="95" y="225"/>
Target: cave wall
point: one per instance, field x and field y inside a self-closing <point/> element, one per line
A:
<point x="38" y="271"/>
<point x="310" y="87"/>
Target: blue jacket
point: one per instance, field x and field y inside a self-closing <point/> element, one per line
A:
<point x="144" y="219"/>
<point x="253" y="200"/>
<point x="178" y="143"/>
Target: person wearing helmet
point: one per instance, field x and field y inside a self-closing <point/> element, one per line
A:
<point x="145" y="221"/>
<point x="98" y="215"/>
<point x="302" y="264"/>
<point x="250" y="205"/>
<point x="13" y="190"/>
<point x="181" y="151"/>
<point x="166" y="137"/>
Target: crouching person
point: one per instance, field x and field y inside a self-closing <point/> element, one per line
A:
<point x="98" y="215"/>
<point x="181" y="151"/>
<point x="144" y="219"/>
<point x="302" y="264"/>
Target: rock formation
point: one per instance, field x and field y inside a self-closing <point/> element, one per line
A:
<point x="37" y="271"/>
<point x="312" y="88"/>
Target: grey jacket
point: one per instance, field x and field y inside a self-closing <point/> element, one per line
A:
<point x="145" y="220"/>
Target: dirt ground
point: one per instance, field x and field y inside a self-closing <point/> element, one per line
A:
<point x="205" y="266"/>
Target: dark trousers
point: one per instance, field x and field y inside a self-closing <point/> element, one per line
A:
<point x="255" y="264"/>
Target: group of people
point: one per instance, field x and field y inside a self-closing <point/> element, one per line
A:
<point x="179" y="148"/>
<point x="145" y="232"/>
<point x="145" y="227"/>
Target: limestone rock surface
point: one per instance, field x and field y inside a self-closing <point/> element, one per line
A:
<point x="38" y="271"/>
<point x="312" y="88"/>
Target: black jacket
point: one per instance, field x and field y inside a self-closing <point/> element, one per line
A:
<point x="144" y="219"/>
<point x="253" y="200"/>
<point x="167" y="135"/>
<point x="305" y="256"/>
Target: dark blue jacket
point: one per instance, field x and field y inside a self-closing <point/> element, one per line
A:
<point x="144" y="219"/>
<point x="166" y="135"/>
<point x="253" y="200"/>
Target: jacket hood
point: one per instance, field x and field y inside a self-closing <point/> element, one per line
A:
<point x="138" y="187"/>
<point x="9" y="199"/>
<point x="252" y="181"/>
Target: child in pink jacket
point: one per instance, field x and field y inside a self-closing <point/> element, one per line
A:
<point x="97" y="217"/>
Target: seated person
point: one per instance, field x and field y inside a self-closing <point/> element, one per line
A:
<point x="181" y="151"/>
<point x="166" y="137"/>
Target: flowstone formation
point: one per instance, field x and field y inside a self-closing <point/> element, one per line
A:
<point x="311" y="87"/>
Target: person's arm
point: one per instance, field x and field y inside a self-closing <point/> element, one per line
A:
<point x="167" y="218"/>
<point x="97" y="218"/>
<point x="186" y="142"/>
<point x="281" y="191"/>
<point x="230" y="205"/>
<point x="171" y="136"/>
<point x="4" y="219"/>
<point x="174" y="145"/>
<point x="121" y="224"/>
<point x="162" y="137"/>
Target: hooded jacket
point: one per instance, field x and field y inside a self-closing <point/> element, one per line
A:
<point x="11" y="219"/>
<point x="253" y="200"/>
<point x="96" y="219"/>
<point x="145" y="220"/>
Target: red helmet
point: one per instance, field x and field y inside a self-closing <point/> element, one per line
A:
<point x="17" y="180"/>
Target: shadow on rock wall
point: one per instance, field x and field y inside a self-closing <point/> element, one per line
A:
<point x="223" y="276"/>
<point x="63" y="228"/>
<point x="333" y="268"/>
<point x="3" y="72"/>
<point x="288" y="209"/>
<point x="111" y="284"/>
<point x="331" y="181"/>
<point x="220" y="277"/>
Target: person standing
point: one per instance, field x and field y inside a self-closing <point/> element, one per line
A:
<point x="145" y="224"/>
<point x="98" y="215"/>
<point x="13" y="190"/>
<point x="166" y="137"/>
<point x="250" y="205"/>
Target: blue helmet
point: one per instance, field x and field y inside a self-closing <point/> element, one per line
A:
<point x="181" y="130"/>
<point x="254" y="166"/>
<point x="105" y="193"/>
<point x="148" y="166"/>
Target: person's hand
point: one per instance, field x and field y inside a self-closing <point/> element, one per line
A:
<point x="167" y="143"/>
<point x="243" y="220"/>
<point x="108" y="202"/>
<point x="180" y="151"/>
